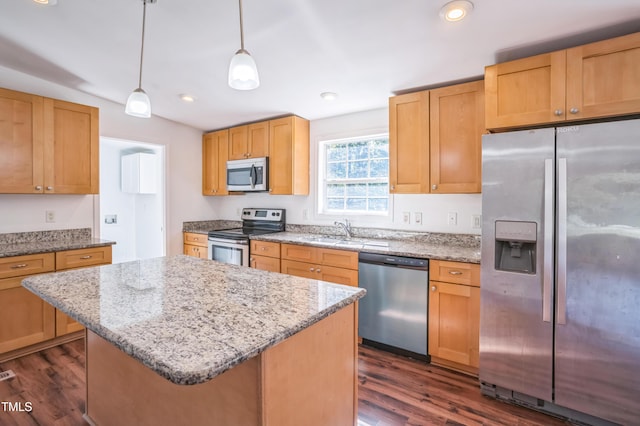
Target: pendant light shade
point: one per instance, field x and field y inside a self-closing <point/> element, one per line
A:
<point x="243" y="72"/>
<point x="138" y="103"/>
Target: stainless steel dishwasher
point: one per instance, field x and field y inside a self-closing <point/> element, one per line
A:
<point x="393" y="315"/>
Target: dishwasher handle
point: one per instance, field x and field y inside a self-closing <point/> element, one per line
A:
<point x="397" y="261"/>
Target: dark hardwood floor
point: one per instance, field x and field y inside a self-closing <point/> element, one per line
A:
<point x="393" y="391"/>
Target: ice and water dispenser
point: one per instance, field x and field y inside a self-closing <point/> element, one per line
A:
<point x="516" y="246"/>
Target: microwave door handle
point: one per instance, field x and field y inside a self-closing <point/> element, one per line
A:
<point x="252" y="176"/>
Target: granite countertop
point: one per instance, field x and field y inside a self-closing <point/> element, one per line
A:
<point x="436" y="250"/>
<point x="24" y="243"/>
<point x="190" y="319"/>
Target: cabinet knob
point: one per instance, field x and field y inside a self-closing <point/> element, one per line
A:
<point x="19" y="266"/>
<point x="38" y="188"/>
<point x="263" y="248"/>
<point x="49" y="188"/>
<point x="311" y="269"/>
<point x="455" y="272"/>
<point x="270" y="189"/>
<point x="392" y="187"/>
<point x="318" y="270"/>
<point x="434" y="187"/>
<point x="434" y="288"/>
<point x="85" y="257"/>
<point x="251" y="259"/>
<point x="558" y="112"/>
<point x="574" y="110"/>
<point x="213" y="191"/>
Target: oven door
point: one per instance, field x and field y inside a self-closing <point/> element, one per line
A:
<point x="229" y="251"/>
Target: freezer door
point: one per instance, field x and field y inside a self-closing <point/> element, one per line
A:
<point x="597" y="361"/>
<point x="516" y="328"/>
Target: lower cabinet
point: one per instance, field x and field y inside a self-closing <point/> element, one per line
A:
<point x="195" y="245"/>
<point x="264" y="255"/>
<point x="25" y="319"/>
<point x="336" y="266"/>
<point x="454" y="314"/>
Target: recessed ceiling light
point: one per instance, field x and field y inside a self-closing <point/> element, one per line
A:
<point x="328" y="96"/>
<point x="47" y="2"/>
<point x="456" y="10"/>
<point x="187" y="98"/>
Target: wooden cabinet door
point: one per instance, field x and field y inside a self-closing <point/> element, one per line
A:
<point x="258" y="140"/>
<point x="70" y="148"/>
<point x="21" y="143"/>
<point x="25" y="319"/>
<point x="289" y="156"/>
<point x="454" y="313"/>
<point x="339" y="258"/>
<point x="238" y="142"/>
<point x="299" y="269"/>
<point x="603" y="78"/>
<point x="65" y="324"/>
<point x="409" y="143"/>
<point x="526" y="91"/>
<point x="265" y="263"/>
<point x="457" y="125"/>
<point x="215" y="147"/>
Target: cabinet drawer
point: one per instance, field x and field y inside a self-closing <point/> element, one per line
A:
<point x="455" y="272"/>
<point x="298" y="269"/>
<point x="299" y="253"/>
<point x="265" y="248"/>
<point x="17" y="266"/>
<point x="83" y="257"/>
<point x="265" y="263"/>
<point x="339" y="258"/>
<point x="195" y="239"/>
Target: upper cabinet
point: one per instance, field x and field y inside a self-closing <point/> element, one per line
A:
<point x="47" y="145"/>
<point x="457" y="125"/>
<point x="289" y="159"/>
<point x="409" y="143"/>
<point x="215" y="147"/>
<point x="590" y="81"/>
<point x="435" y="140"/>
<point x="249" y="141"/>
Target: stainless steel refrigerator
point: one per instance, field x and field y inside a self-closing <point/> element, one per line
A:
<point x="560" y="269"/>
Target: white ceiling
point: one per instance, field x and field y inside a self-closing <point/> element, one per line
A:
<point x="365" y="50"/>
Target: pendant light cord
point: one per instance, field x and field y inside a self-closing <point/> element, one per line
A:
<point x="241" y="28"/>
<point x="144" y="18"/>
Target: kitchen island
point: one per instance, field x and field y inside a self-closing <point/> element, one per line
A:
<point x="180" y="340"/>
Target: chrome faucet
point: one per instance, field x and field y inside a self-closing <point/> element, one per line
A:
<point x="346" y="226"/>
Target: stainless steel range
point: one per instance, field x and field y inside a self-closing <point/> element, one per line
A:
<point x="232" y="245"/>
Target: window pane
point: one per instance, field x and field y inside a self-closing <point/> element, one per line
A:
<point x="358" y="169"/>
<point x="335" y="190"/>
<point x="356" y="203"/>
<point x="379" y="168"/>
<point x="335" y="203"/>
<point x="337" y="152"/>
<point x="378" y="189"/>
<point x="357" y="189"/>
<point x="358" y="150"/>
<point x="336" y="170"/>
<point x="379" y="148"/>
<point x="378" y="204"/>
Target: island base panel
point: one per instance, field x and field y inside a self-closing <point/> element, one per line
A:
<point x="309" y="378"/>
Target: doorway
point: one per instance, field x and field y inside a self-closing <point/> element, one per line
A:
<point x="132" y="204"/>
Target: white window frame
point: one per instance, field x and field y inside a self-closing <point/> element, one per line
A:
<point x="322" y="179"/>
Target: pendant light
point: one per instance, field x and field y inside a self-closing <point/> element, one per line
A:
<point x="138" y="103"/>
<point x="243" y="73"/>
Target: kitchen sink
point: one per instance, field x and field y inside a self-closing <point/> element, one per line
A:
<point x="342" y="242"/>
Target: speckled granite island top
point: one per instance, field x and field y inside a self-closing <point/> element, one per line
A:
<point x="190" y="319"/>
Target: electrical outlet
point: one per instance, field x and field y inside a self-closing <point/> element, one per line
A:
<point x="476" y="221"/>
<point x="406" y="218"/>
<point x="417" y="218"/>
<point x="238" y="211"/>
<point x="50" y="216"/>
<point x="452" y="218"/>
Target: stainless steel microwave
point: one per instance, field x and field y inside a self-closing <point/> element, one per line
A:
<point x="251" y="174"/>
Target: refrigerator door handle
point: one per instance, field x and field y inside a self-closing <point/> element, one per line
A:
<point x="561" y="313"/>
<point x="548" y="241"/>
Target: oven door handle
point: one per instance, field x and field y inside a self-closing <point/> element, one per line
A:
<point x="228" y="243"/>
